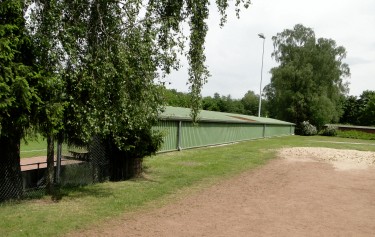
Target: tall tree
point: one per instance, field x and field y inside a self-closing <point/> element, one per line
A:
<point x="114" y="52"/>
<point x="44" y="28"/>
<point x="211" y="103"/>
<point x="227" y="104"/>
<point x="359" y="111"/>
<point x="177" y="99"/>
<point x="250" y="102"/>
<point x="366" y="104"/>
<point x="351" y="111"/>
<point x="223" y="104"/>
<point x="18" y="94"/>
<point x="309" y="82"/>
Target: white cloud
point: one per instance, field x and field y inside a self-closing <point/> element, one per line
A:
<point x="234" y="52"/>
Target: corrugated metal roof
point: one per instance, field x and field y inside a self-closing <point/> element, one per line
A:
<point x="178" y="113"/>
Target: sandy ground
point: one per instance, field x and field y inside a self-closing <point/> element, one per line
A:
<point x="305" y="192"/>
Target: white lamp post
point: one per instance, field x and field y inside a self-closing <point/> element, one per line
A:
<point x="261" y="35"/>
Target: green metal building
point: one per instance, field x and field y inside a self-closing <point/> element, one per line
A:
<point x="215" y="128"/>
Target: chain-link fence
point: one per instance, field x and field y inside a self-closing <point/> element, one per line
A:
<point x="10" y="173"/>
<point x="77" y="166"/>
<point x="10" y="180"/>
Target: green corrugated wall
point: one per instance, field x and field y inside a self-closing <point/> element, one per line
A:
<point x="170" y="132"/>
<point x="277" y="130"/>
<point x="207" y="133"/>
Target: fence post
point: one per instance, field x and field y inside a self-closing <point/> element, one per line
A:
<point x="264" y="130"/>
<point x="58" y="165"/>
<point x="179" y="134"/>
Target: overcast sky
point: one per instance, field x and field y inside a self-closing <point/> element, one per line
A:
<point x="234" y="52"/>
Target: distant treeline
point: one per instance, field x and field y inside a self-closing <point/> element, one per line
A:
<point x="247" y="105"/>
<point x="355" y="110"/>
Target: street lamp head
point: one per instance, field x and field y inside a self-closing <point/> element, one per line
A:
<point x="261" y="35"/>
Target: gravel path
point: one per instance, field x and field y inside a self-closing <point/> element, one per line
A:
<point x="305" y="192"/>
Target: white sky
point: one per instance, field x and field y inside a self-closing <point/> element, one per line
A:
<point x="234" y="53"/>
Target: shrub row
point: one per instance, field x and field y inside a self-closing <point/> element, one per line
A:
<point x="307" y="129"/>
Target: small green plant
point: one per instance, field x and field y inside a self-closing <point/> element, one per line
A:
<point x="308" y="129"/>
<point x="330" y="131"/>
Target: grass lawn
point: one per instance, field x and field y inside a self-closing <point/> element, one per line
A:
<point x="167" y="176"/>
<point x="38" y="147"/>
<point x="33" y="147"/>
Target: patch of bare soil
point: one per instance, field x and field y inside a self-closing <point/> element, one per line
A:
<point x="306" y="192"/>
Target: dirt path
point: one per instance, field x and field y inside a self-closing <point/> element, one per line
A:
<point x="303" y="193"/>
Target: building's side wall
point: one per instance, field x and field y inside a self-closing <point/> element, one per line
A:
<point x="170" y="132"/>
<point x="292" y="129"/>
<point x="205" y="134"/>
<point x="278" y="130"/>
<point x="187" y="135"/>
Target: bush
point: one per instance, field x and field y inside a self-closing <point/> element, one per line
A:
<point x="308" y="129"/>
<point x="330" y="131"/>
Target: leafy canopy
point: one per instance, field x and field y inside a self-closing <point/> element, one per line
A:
<point x="18" y="85"/>
<point x="110" y="56"/>
<point x="309" y="83"/>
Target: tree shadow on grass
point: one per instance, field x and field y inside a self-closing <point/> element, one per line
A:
<point x="92" y="190"/>
<point x="61" y="192"/>
<point x="96" y="190"/>
<point x="100" y="190"/>
<point x="145" y="176"/>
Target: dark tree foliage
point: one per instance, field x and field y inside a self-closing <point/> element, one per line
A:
<point x="211" y="103"/>
<point x="359" y="111"/>
<point x="177" y="99"/>
<point x="44" y="27"/>
<point x="225" y="104"/>
<point x="246" y="105"/>
<point x="250" y="102"/>
<point x="308" y="84"/>
<point x="367" y="108"/>
<point x="19" y="96"/>
<point x="351" y="111"/>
